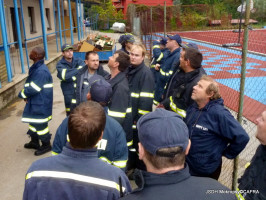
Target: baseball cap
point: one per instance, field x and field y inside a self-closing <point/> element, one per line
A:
<point x="162" y="129"/>
<point x="101" y="91"/>
<point x="163" y="41"/>
<point x="66" y="47"/>
<point x="176" y="37"/>
<point x="190" y="45"/>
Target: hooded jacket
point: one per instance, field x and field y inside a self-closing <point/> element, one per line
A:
<point x="214" y="133"/>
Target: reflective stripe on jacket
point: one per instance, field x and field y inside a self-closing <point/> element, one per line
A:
<point x="38" y="91"/>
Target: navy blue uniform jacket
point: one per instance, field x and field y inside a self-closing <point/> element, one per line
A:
<point x="38" y="91"/>
<point x="214" y="133"/>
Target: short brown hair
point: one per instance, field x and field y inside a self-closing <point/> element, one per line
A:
<point x="160" y="162"/>
<point x="86" y="124"/>
<point x="141" y="47"/>
<point x="123" y="60"/>
<point x="213" y="88"/>
<point x="194" y="56"/>
<point x="90" y="53"/>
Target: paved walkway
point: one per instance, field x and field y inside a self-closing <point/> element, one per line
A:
<point x="15" y="160"/>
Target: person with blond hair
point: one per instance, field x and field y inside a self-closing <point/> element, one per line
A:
<point x="213" y="131"/>
<point x="141" y="86"/>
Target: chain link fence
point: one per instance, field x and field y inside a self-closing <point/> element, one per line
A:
<point x="217" y="30"/>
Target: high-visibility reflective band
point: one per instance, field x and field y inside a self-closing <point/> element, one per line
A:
<point x="160" y="57"/>
<point x="86" y="83"/>
<point x="43" y="132"/>
<point x="152" y="66"/>
<point x="105" y="160"/>
<point x="135" y="95"/>
<point x="80" y="67"/>
<point x="134" y="126"/>
<point x="143" y="112"/>
<point x="76" y="177"/>
<point x="156" y="46"/>
<point x="27" y="85"/>
<point x="247" y="165"/>
<point x="155" y="102"/>
<point x="146" y="94"/>
<point x="54" y="153"/>
<point x="73" y="101"/>
<point x="165" y="86"/>
<point x="68" y="109"/>
<point x="75" y="85"/>
<point x="50" y="85"/>
<point x="36" y="87"/>
<point x="32" y="128"/>
<point x="179" y="111"/>
<point x="68" y="138"/>
<point x="116" y="114"/>
<point x="63" y="74"/>
<point x="129" y="110"/>
<point x="132" y="150"/>
<point x="23" y="94"/>
<point x="166" y="73"/>
<point x="130" y="143"/>
<point x="239" y="195"/>
<point x="36" y="120"/>
<point x="120" y="164"/>
<point x="74" y="78"/>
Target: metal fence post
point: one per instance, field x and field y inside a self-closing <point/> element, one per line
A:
<point x="19" y="37"/>
<point x="59" y="23"/>
<point x="5" y="41"/>
<point x="43" y="29"/>
<point x="70" y="19"/>
<point x="242" y="85"/>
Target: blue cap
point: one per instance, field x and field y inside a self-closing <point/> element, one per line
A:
<point x="101" y="91"/>
<point x="162" y="129"/>
<point x="190" y="45"/>
<point x="176" y="37"/>
<point x="163" y="41"/>
<point x="66" y="47"/>
<point x="126" y="38"/>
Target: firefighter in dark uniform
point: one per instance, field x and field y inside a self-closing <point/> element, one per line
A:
<point x="141" y="86"/>
<point x="67" y="69"/>
<point x="120" y="105"/>
<point x="38" y="95"/>
<point x="126" y="40"/>
<point x="252" y="185"/>
<point x="77" y="173"/>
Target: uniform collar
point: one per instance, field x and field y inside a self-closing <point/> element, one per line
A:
<point x="146" y="179"/>
<point x="86" y="153"/>
<point x="120" y="76"/>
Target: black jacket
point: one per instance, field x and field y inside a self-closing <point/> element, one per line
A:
<point x="179" y="90"/>
<point x="141" y="86"/>
<point x="177" y="185"/>
<point x="120" y="105"/>
<point x="254" y="177"/>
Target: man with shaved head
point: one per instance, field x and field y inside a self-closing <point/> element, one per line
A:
<point x="38" y="95"/>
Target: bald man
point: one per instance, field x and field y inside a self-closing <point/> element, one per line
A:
<point x="38" y="96"/>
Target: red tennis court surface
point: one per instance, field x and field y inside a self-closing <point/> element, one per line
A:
<point x="256" y="40"/>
